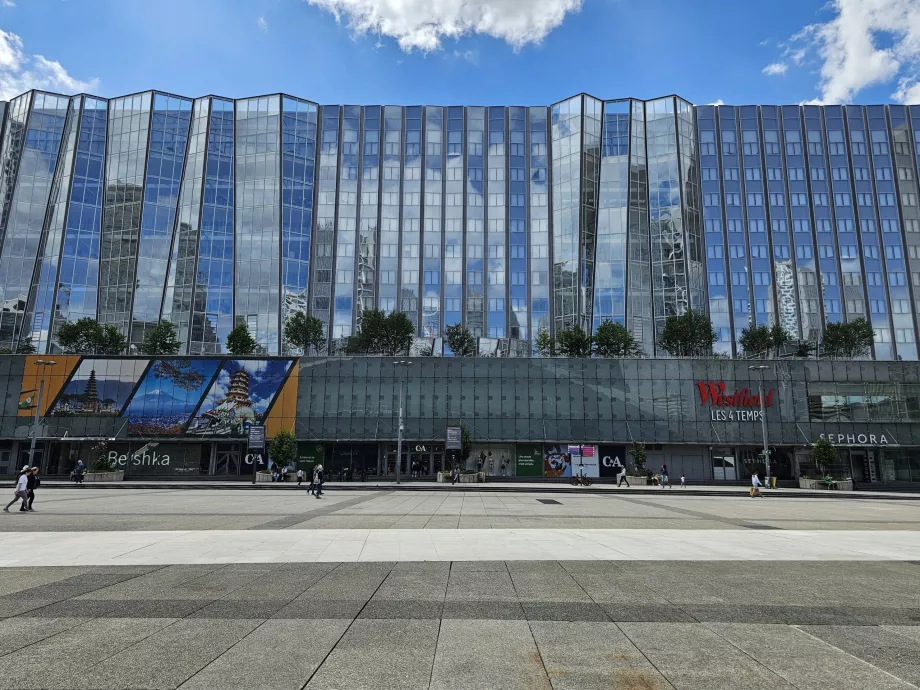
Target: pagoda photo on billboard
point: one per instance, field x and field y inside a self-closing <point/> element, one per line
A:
<point x="241" y="395"/>
<point x="98" y="388"/>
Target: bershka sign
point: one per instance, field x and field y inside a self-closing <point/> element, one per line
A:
<point x="146" y="458"/>
<point x="731" y="406"/>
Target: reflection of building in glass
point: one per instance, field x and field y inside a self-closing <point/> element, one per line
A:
<point x="509" y="220"/>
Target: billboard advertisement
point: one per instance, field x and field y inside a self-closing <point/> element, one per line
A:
<point x="557" y="461"/>
<point x="168" y="395"/>
<point x="529" y="460"/>
<point x="98" y="388"/>
<point x="609" y="455"/>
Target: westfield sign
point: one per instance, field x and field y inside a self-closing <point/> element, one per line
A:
<point x="742" y="405"/>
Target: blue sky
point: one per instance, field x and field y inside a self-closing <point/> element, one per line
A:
<point x="525" y="52"/>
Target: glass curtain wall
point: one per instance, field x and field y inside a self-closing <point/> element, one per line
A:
<point x="475" y="220"/>
<point x="44" y="280"/>
<point x="126" y="161"/>
<point x="714" y="232"/>
<point x="540" y="195"/>
<point x="391" y="191"/>
<point x="612" y="216"/>
<point x="78" y="277"/>
<point x="180" y="281"/>
<point x="324" y="230"/>
<point x="567" y="170"/>
<point x="14" y="136"/>
<point x="590" y="179"/>
<point x="347" y="224"/>
<point x="519" y="198"/>
<point x="454" y="196"/>
<point x="898" y="342"/>
<point x="212" y="302"/>
<point x="690" y="199"/>
<point x="298" y="158"/>
<point x="755" y="207"/>
<point x="670" y="294"/>
<point x="366" y="276"/>
<point x="905" y="174"/>
<point x="23" y="230"/>
<point x="258" y="226"/>
<point x="412" y="196"/>
<point x="433" y="238"/>
<point x="639" y="307"/>
<point x="169" y="133"/>
<point x="497" y="235"/>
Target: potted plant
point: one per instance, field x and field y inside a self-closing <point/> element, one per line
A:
<point x="638" y="475"/>
<point x="824" y="455"/>
<point x="103" y="468"/>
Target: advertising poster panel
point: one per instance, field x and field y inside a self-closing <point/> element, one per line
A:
<point x="609" y="454"/>
<point x="529" y="460"/>
<point x="557" y="462"/>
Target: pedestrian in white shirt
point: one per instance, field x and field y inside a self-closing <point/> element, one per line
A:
<point x="755" y="485"/>
<point x="22" y="485"/>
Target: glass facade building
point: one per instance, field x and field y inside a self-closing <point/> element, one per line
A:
<point x="212" y="212"/>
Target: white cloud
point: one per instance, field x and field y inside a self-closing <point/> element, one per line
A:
<point x="20" y="72"/>
<point x="775" y="68"/>
<point x="865" y="43"/>
<point x="717" y="102"/>
<point x="262" y="24"/>
<point x="470" y="56"/>
<point x="422" y="24"/>
<point x="8" y="3"/>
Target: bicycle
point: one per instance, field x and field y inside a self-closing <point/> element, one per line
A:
<point x="580" y="480"/>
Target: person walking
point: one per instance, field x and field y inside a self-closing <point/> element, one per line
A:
<point x="455" y="475"/>
<point x="318" y="481"/>
<point x="80" y="471"/>
<point x="299" y="477"/>
<point x="21" y="491"/>
<point x="665" y="479"/>
<point x="755" y="485"/>
<point x="36" y="482"/>
<point x="621" y="472"/>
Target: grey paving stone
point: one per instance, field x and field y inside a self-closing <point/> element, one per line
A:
<point x="803" y="660"/>
<point x="892" y="652"/>
<point x="593" y="656"/>
<point x="484" y="610"/>
<point x="563" y="611"/>
<point x="301" y="646"/>
<point x="15" y="605"/>
<point x="393" y="608"/>
<point x="143" y="608"/>
<point x="802" y="615"/>
<point x="166" y="658"/>
<point x="154" y="584"/>
<point x="255" y="607"/>
<point x="486" y="655"/>
<point x="16" y="633"/>
<point x="60" y="661"/>
<point x="480" y="586"/>
<point x="478" y="567"/>
<point x="373" y="654"/>
<point x="647" y="613"/>
<point x="318" y="608"/>
<point x="693" y="657"/>
<point x="17" y="579"/>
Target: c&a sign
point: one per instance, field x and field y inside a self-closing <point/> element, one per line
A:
<point x="729" y="406"/>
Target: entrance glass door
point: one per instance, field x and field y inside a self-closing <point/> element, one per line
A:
<point x="724" y="468"/>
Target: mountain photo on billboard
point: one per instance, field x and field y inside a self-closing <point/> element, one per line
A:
<point x="98" y="388"/>
<point x="168" y="395"/>
<point x="242" y="393"/>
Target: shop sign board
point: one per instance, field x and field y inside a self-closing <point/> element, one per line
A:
<point x="529" y="460"/>
<point x="454" y="440"/>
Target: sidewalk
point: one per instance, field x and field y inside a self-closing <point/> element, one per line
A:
<point x="498" y="487"/>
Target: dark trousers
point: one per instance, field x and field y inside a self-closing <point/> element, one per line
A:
<point x="622" y="478"/>
<point x="31" y="498"/>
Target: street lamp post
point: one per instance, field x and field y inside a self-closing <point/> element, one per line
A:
<point x="38" y="406"/>
<point x="399" y="437"/>
<point x="760" y="368"/>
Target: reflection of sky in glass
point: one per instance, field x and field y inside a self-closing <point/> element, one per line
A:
<point x="265" y="378"/>
<point x="171" y="387"/>
<point x="114" y="380"/>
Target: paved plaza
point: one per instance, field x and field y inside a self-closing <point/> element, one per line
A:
<point x="380" y="589"/>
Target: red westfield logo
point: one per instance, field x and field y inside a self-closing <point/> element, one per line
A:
<point x="713" y="393"/>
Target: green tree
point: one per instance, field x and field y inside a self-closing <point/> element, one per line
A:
<point x="639" y="456"/>
<point x="381" y="334"/>
<point x="824" y="455"/>
<point x="89" y="337"/>
<point x="460" y="341"/>
<point x="848" y="340"/>
<point x="24" y="347"/>
<point x="544" y="346"/>
<point x="613" y="339"/>
<point x="574" y="342"/>
<point x="282" y="449"/>
<point x="160" y="340"/>
<point x="305" y="332"/>
<point x="240" y="342"/>
<point x="763" y="341"/>
<point x="687" y="335"/>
